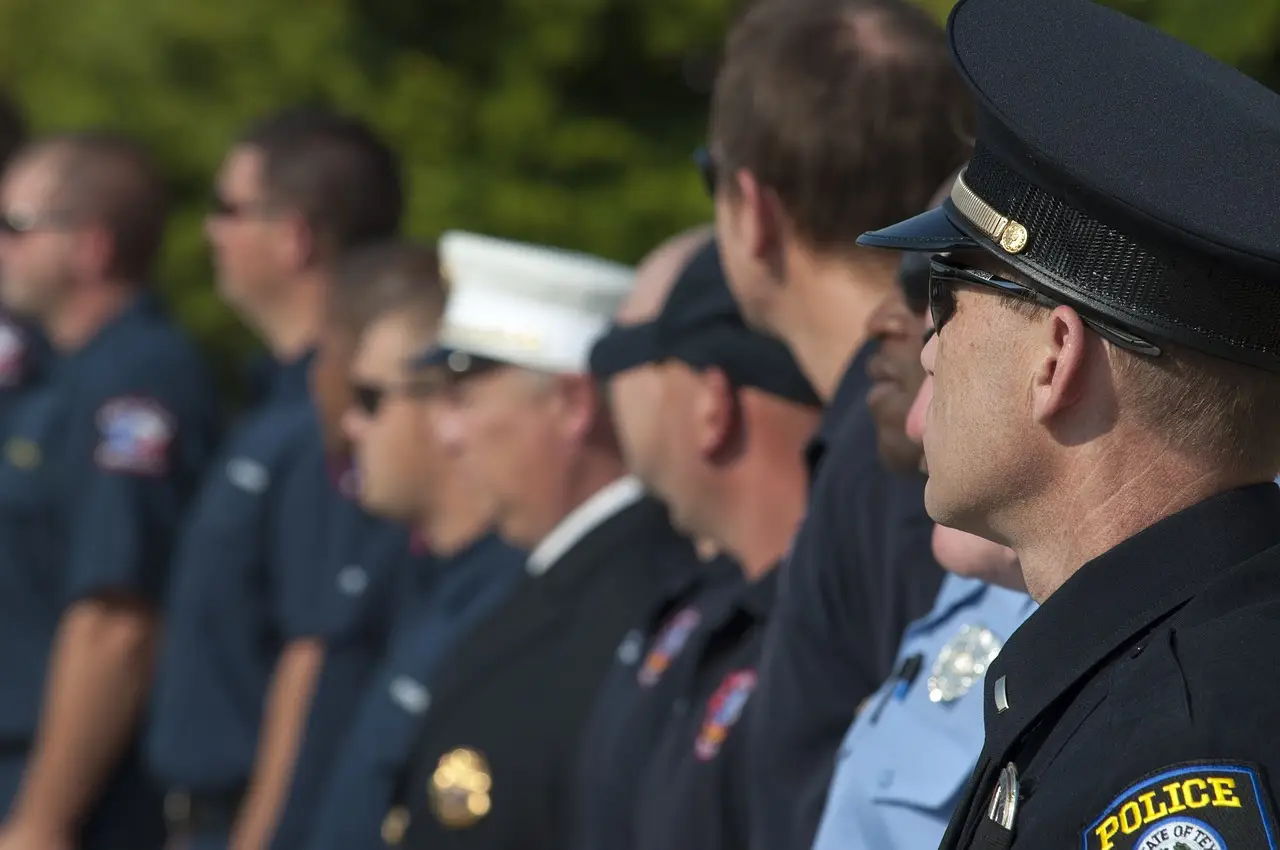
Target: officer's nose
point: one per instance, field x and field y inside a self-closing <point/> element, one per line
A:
<point x="919" y="409"/>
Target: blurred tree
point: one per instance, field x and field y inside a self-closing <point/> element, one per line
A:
<point x="562" y="121"/>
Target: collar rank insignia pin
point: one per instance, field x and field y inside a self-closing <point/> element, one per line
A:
<point x="962" y="663"/>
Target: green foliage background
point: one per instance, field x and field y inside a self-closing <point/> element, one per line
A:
<point x="568" y="122"/>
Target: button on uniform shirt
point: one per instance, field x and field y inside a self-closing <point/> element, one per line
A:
<point x="649" y="674"/>
<point x="247" y="579"/>
<point x="861" y="569"/>
<point x="694" y="793"/>
<point x="372" y="570"/>
<point x="915" y="742"/>
<point x="102" y="451"/>
<point x="1136" y="706"/>
<point x="357" y="792"/>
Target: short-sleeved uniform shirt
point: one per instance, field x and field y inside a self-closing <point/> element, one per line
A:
<point x="103" y="449"/>
<point x="463" y="589"/>
<point x="372" y="570"/>
<point x="247" y="580"/>
<point x="915" y="742"/>
<point x="694" y="794"/>
<point x="635" y="701"/>
<point x="861" y="569"/>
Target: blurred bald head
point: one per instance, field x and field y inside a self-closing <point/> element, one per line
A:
<point x="658" y="273"/>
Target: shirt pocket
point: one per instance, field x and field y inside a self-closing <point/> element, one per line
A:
<point x="932" y="750"/>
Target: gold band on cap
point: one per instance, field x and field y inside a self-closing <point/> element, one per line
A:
<point x="1011" y="235"/>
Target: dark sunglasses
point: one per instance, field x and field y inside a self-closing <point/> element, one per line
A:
<point x="221" y="207"/>
<point x="945" y="276"/>
<point x="707" y="170"/>
<point x="17" y="222"/>
<point x="369" y="397"/>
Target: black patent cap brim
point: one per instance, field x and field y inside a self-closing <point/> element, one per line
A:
<point x="932" y="231"/>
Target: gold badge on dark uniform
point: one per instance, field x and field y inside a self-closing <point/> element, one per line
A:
<point x="23" y="454"/>
<point x="459" y="789"/>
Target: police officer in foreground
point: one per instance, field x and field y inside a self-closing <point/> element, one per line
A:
<point x="651" y="670"/>
<point x="813" y="98"/>
<point x="102" y="452"/>
<point x="405" y="476"/>
<point x="729" y="413"/>
<point x="1106" y="402"/>
<point x="245" y="640"/>
<point x="368" y="557"/>
<point x="493" y="765"/>
<point x="914" y="743"/>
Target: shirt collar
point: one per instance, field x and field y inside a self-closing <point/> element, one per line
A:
<point x="850" y="393"/>
<point x="1122" y="593"/>
<point x="608" y="500"/>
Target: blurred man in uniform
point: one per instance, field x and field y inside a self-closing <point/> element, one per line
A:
<point x="1106" y="403"/>
<point x="636" y="699"/>
<point x="494" y="763"/>
<point x="407" y="476"/>
<point x="23" y="351"/>
<point x="367" y="556"/>
<point x="102" y="453"/>
<point x="729" y="417"/>
<point x="244" y="645"/>
<point x="916" y="740"/>
<point x="829" y="116"/>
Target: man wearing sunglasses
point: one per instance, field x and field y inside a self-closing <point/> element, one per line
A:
<point x="406" y="476"/>
<point x="497" y="749"/>
<point x="102" y="450"/>
<point x="244" y="642"/>
<point x="916" y="740"/>
<point x="1106" y="402"/>
<point x="829" y="117"/>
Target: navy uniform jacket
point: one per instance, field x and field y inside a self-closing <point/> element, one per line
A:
<point x="103" y="449"/>
<point x="463" y="590"/>
<point x="861" y="569"/>
<point x="371" y="567"/>
<point x="636" y="698"/>
<point x="494" y="764"/>
<point x="247" y="580"/>
<point x="1138" y="705"/>
<point x="694" y="794"/>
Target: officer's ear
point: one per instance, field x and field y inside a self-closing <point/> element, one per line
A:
<point x="717" y="416"/>
<point x="297" y="247"/>
<point x="578" y="405"/>
<point x="762" y="219"/>
<point x="95" y="252"/>
<point x="1069" y="363"/>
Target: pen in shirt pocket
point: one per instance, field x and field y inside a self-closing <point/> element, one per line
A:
<point x="903" y="678"/>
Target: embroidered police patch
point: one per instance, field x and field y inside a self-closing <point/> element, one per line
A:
<point x="723" y="711"/>
<point x="674" y="635"/>
<point x="1189" y="806"/>
<point x="135" y="435"/>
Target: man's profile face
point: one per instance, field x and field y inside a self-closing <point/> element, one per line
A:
<point x="506" y="427"/>
<point x="37" y="253"/>
<point x="635" y="398"/>
<point x="896" y="374"/>
<point x="978" y="428"/>
<point x="244" y="233"/>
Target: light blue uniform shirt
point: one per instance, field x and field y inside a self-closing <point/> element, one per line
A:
<point x="907" y="756"/>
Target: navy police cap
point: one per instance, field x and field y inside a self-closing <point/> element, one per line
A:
<point x="1119" y="169"/>
<point x="700" y="325"/>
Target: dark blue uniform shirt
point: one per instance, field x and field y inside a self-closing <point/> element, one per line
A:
<point x="694" y="794"/>
<point x="372" y="568"/>
<point x="248" y="576"/>
<point x="861" y="569"/>
<point x="463" y="590"/>
<point x="103" y="449"/>
<point x="635" y="702"/>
